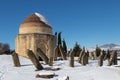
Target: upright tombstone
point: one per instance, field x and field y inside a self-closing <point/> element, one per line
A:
<point x="107" y="56"/>
<point x="50" y="52"/>
<point x="15" y="59"/>
<point x="100" y="61"/>
<point x="83" y="59"/>
<point x="71" y="58"/>
<point x="62" y="53"/>
<point x="34" y="60"/>
<point x="87" y="55"/>
<point x="113" y="58"/>
<point x="55" y="53"/>
<point x="42" y="55"/>
<point x="80" y="55"/>
<point x="104" y="53"/>
<point x="50" y="61"/>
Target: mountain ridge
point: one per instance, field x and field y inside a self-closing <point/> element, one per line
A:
<point x="110" y="46"/>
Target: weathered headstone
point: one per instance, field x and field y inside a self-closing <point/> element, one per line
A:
<point x="34" y="60"/>
<point x="46" y="76"/>
<point x="42" y="55"/>
<point x="71" y="59"/>
<point x="83" y="59"/>
<point x="50" y="61"/>
<point x="62" y="53"/>
<point x="80" y="56"/>
<point x="113" y="59"/>
<point x="55" y="53"/>
<point x="100" y="61"/>
<point x="87" y="55"/>
<point x="15" y="59"/>
<point x="107" y="57"/>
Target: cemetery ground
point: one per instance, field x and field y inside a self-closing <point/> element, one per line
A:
<point x="79" y="72"/>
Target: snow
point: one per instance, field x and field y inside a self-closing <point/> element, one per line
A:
<point x="91" y="49"/>
<point x="27" y="71"/>
<point x="63" y="78"/>
<point x="116" y="48"/>
<point x="106" y="73"/>
<point x="55" y="67"/>
<point x="46" y="73"/>
<point x="42" y="18"/>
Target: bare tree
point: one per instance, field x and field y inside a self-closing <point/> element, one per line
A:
<point x="4" y="48"/>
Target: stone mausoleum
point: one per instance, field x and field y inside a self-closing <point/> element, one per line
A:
<point x="35" y="32"/>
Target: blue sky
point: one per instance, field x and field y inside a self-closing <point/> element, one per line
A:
<point x="88" y="22"/>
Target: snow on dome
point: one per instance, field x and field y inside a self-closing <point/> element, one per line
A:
<point x="42" y="18"/>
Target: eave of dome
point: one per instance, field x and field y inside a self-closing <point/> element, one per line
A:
<point x="34" y="23"/>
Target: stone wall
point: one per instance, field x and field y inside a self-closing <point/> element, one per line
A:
<point x="33" y="41"/>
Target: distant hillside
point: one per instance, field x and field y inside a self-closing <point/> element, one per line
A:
<point x="110" y="46"/>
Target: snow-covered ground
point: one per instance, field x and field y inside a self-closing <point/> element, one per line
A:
<point x="27" y="71"/>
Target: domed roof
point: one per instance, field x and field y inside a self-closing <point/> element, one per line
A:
<point x="35" y="23"/>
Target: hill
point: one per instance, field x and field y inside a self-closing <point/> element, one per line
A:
<point x="106" y="47"/>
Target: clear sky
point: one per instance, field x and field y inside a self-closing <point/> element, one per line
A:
<point x="88" y="22"/>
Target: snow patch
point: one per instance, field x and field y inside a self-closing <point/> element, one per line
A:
<point x="46" y="73"/>
<point x="42" y="18"/>
<point x="106" y="74"/>
<point x="54" y="67"/>
<point x="63" y="78"/>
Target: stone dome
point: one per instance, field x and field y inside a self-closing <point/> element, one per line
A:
<point x="35" y="23"/>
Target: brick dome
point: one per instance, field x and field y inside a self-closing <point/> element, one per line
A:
<point x="35" y="23"/>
